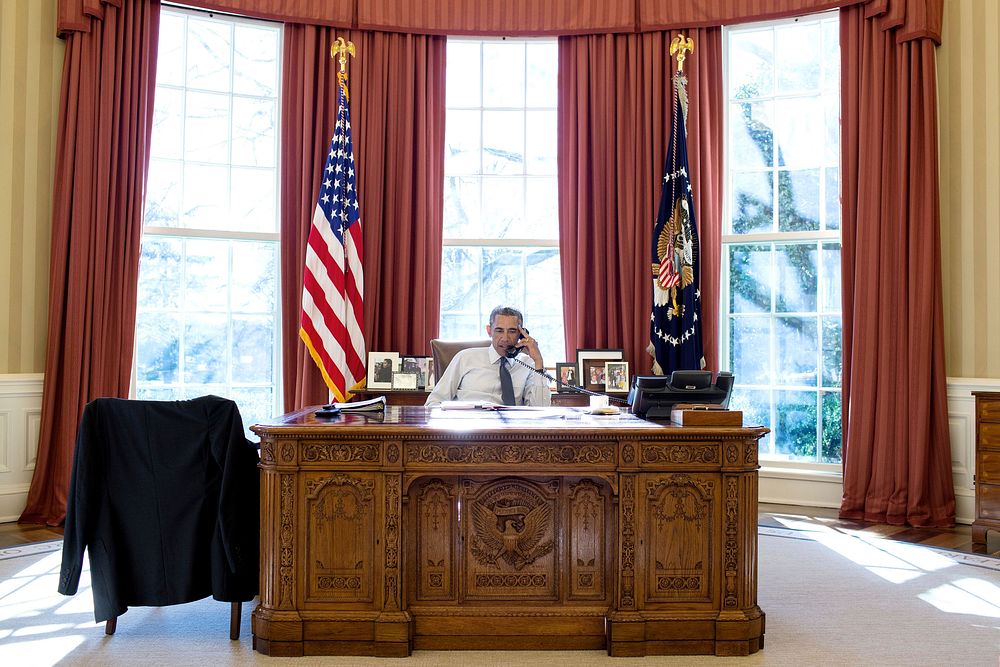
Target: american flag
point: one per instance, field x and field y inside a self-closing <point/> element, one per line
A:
<point x="333" y="285"/>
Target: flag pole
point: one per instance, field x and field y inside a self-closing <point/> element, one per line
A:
<point x="340" y="50"/>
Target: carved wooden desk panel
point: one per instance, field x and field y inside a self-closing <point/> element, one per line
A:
<point x="469" y="530"/>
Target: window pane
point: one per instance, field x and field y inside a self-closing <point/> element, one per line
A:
<point x="832" y="427"/>
<point x="503" y="74"/>
<point x="254" y="132"/>
<point x="832" y="198"/>
<point x="462" y="143"/>
<point x="542" y="208"/>
<point x="541" y="142"/>
<point x="255" y="61"/>
<point x="543" y="72"/>
<point x="253" y="206"/>
<point x="160" y="263"/>
<point x="206" y="130"/>
<point x="752" y="202"/>
<point x="795" y="425"/>
<point x="799" y="131"/>
<point x="751" y="141"/>
<point x="798" y="200"/>
<point x="168" y="123"/>
<point x="751" y="64"/>
<point x="462" y="83"/>
<point x="208" y="55"/>
<point x="756" y="407"/>
<point x="797" y="58"/>
<point x="254" y="280"/>
<point x="461" y="208"/>
<point x="502" y="276"/>
<point x="796" y="351"/>
<point x="503" y="142"/>
<point x="831" y="278"/>
<point x="750" y="334"/>
<point x="170" y="52"/>
<point x="163" y="193"/>
<point x="253" y="348"/>
<point x="459" y="281"/>
<point x="797" y="273"/>
<point x="205" y="358"/>
<point x="157" y="348"/>
<point x="750" y="278"/>
<point x="206" y="275"/>
<point x="503" y="208"/>
<point x="833" y="363"/>
<point x="206" y="196"/>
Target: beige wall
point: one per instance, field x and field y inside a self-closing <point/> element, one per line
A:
<point x="969" y="102"/>
<point x="969" y="83"/>
<point x="30" y="70"/>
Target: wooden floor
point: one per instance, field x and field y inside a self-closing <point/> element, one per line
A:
<point x="958" y="538"/>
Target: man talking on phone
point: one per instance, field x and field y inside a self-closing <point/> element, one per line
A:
<point x="499" y="373"/>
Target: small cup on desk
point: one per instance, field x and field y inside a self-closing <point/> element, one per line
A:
<point x="598" y="402"/>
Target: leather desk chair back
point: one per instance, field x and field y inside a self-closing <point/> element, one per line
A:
<point x="444" y="350"/>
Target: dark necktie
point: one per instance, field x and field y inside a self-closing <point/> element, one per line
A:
<point x="506" y="384"/>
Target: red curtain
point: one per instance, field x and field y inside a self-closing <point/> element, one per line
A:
<point x="397" y="120"/>
<point x="105" y="121"/>
<point x="897" y="453"/>
<point x="502" y="17"/>
<point x="614" y="122"/>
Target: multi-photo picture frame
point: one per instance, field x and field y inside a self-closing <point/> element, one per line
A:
<point x="590" y="366"/>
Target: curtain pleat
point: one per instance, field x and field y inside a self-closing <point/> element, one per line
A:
<point x="614" y="123"/>
<point x="896" y="451"/>
<point x="397" y="111"/>
<point x="105" y="122"/>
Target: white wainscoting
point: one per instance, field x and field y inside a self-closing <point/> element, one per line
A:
<point x="791" y="484"/>
<point x="20" y="419"/>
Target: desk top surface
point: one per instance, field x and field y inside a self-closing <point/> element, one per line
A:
<point x="423" y="419"/>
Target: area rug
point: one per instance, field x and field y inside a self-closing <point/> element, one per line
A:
<point x="831" y="598"/>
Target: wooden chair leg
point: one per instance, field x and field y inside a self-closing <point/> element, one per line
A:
<point x="110" y="626"/>
<point x="234" y="621"/>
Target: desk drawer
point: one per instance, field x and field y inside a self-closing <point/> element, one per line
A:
<point x="989" y="411"/>
<point x="988" y="501"/>
<point x="988" y="467"/>
<point x="989" y="435"/>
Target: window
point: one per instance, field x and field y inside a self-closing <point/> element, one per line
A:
<point x="781" y="329"/>
<point x="207" y="316"/>
<point x="501" y="227"/>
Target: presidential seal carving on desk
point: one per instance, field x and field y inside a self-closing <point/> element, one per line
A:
<point x="512" y="524"/>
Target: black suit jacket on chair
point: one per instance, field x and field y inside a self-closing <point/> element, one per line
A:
<point x="164" y="495"/>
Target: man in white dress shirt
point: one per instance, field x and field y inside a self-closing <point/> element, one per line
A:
<point x="474" y="373"/>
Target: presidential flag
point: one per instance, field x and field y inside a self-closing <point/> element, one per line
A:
<point x="675" y="327"/>
<point x="333" y="283"/>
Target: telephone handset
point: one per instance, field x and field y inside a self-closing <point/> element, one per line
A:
<point x="514" y="350"/>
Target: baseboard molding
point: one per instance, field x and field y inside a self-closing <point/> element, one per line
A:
<point x="20" y="422"/>
<point x="785" y="484"/>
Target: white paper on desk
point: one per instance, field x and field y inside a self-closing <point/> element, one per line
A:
<point x="487" y="405"/>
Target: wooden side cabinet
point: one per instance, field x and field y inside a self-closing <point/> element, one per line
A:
<point x="987" y="466"/>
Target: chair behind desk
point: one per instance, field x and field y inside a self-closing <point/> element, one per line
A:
<point x="164" y="497"/>
<point x="444" y="351"/>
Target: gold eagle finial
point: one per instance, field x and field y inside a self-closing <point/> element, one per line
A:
<point x="681" y="46"/>
<point x="339" y="49"/>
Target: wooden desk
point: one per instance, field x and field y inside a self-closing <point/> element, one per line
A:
<point x="428" y="529"/>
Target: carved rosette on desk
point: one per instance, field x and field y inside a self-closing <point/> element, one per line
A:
<point x="381" y="537"/>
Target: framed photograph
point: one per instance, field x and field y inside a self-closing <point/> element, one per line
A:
<point x="594" y="374"/>
<point x="381" y="366"/>
<point x="603" y="355"/>
<point x="423" y="367"/>
<point x="616" y="376"/>
<point x="567" y="374"/>
<point x="404" y="380"/>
